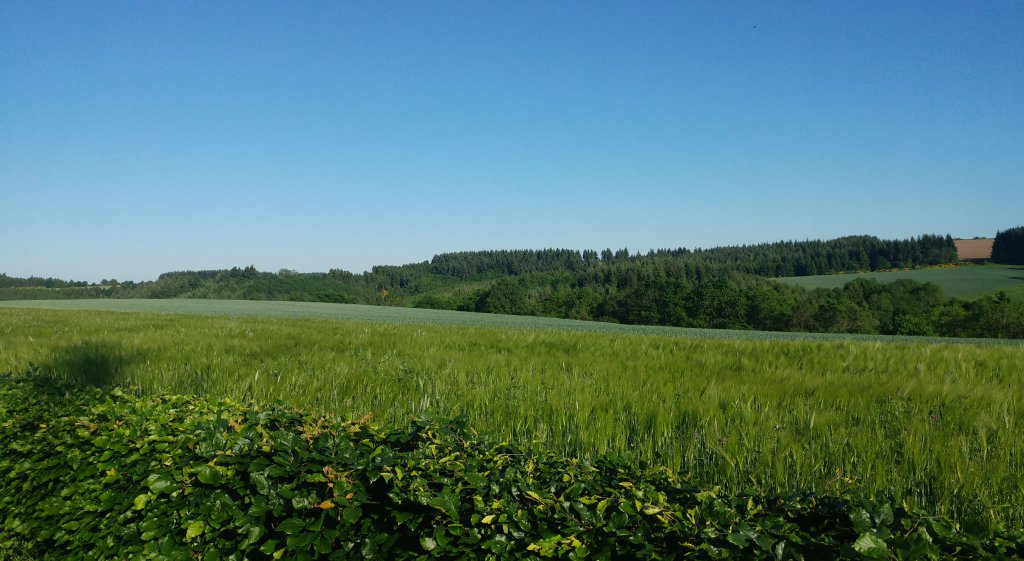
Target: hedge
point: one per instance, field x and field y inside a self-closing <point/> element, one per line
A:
<point x="101" y="473"/>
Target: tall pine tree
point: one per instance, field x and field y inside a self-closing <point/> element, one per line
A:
<point x="1008" y="247"/>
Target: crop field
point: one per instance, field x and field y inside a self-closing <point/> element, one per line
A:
<point x="967" y="282"/>
<point x="414" y="316"/>
<point x="974" y="249"/>
<point x="939" y="425"/>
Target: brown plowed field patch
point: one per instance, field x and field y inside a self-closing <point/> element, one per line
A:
<point x="974" y="249"/>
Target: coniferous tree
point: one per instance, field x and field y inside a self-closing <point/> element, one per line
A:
<point x="1008" y="247"/>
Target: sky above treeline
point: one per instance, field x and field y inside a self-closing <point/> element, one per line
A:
<point x="144" y="137"/>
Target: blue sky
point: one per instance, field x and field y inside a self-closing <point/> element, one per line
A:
<point x="143" y="137"/>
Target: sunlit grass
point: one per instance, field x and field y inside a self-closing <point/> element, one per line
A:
<point x="940" y="425"/>
<point x="967" y="282"/>
<point x="389" y="314"/>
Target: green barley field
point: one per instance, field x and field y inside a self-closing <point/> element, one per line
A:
<point x="940" y="424"/>
<point x="966" y="282"/>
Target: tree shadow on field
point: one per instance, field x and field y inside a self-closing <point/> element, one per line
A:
<point x="91" y="363"/>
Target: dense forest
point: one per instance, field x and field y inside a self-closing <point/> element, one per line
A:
<point x="38" y="282"/>
<point x="727" y="287"/>
<point x="1008" y="247"/>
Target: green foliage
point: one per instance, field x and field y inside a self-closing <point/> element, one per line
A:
<point x="720" y="288"/>
<point x="43" y="293"/>
<point x="850" y="253"/>
<point x="936" y="423"/>
<point x="632" y="291"/>
<point x="97" y="474"/>
<point x="967" y="282"/>
<point x="715" y="288"/>
<point x="38" y="282"/>
<point x="507" y="296"/>
<point x="1008" y="247"/>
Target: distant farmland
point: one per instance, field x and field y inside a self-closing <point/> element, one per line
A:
<point x="968" y="250"/>
<point x="968" y="282"/>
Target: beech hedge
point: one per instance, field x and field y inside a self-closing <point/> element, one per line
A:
<point x="101" y="473"/>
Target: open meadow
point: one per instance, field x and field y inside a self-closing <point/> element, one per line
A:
<point x="938" y="424"/>
<point x="966" y="282"/>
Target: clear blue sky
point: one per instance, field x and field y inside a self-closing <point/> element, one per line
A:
<point x="143" y="137"/>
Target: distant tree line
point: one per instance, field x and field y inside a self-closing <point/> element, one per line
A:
<point x="728" y="287"/>
<point x="1008" y="247"/>
<point x="665" y="293"/>
<point x="37" y="282"/>
<point x="780" y="259"/>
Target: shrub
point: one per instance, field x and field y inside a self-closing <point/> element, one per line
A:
<point x="90" y="473"/>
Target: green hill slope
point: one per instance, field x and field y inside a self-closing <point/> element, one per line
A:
<point x="968" y="282"/>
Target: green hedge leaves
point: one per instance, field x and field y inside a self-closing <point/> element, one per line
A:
<point x="89" y="473"/>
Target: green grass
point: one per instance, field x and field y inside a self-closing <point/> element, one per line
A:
<point x="967" y="282"/>
<point x="414" y="316"/>
<point x="940" y="425"/>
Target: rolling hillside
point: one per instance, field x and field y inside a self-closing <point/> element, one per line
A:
<point x="967" y="282"/>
